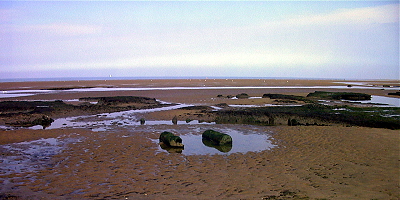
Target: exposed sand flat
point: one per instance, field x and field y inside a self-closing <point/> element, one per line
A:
<point x="318" y="162"/>
<point x="166" y="83"/>
<point x="331" y="162"/>
<point x="199" y="96"/>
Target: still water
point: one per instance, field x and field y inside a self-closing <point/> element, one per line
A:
<point x="246" y="138"/>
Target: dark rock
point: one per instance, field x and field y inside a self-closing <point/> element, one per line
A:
<point x="242" y="96"/>
<point x="44" y="120"/>
<point x="175" y="120"/>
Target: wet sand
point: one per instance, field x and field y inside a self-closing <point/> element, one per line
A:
<point x="331" y="162"/>
<point x="314" y="162"/>
<point x="203" y="96"/>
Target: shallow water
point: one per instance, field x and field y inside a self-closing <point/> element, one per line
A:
<point x="246" y="138"/>
<point x="243" y="140"/>
<point x="30" y="156"/>
<point x="108" y="124"/>
<point x="390" y="101"/>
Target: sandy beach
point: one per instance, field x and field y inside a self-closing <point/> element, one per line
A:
<point x="199" y="96"/>
<point x="126" y="162"/>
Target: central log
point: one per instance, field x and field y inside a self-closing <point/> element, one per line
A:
<point x="170" y="139"/>
<point x="217" y="137"/>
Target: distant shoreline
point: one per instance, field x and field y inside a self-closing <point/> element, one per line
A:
<point x="3" y="80"/>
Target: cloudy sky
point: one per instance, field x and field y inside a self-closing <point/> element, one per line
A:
<point x="306" y="39"/>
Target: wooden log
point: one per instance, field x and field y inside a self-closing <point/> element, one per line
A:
<point x="170" y="139"/>
<point x="217" y="137"/>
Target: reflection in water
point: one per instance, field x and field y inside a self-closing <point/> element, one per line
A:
<point x="245" y="138"/>
<point x="222" y="148"/>
<point x="170" y="149"/>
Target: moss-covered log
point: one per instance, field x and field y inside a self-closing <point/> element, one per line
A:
<point x="217" y="137"/>
<point x="170" y="139"/>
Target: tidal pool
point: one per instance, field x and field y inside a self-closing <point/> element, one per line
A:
<point x="246" y="138"/>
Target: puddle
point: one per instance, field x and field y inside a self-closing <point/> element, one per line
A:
<point x="30" y="156"/>
<point x="103" y="123"/>
<point x="246" y="138"/>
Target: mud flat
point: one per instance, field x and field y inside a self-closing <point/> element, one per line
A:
<point x="125" y="162"/>
<point x="307" y="162"/>
<point x="185" y="90"/>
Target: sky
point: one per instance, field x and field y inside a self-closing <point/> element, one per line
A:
<point x="295" y="39"/>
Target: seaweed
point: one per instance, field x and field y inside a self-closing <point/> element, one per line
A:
<point x="394" y="93"/>
<point x="120" y="99"/>
<point x="340" y="95"/>
<point x="313" y="114"/>
<point x="22" y="113"/>
<point x="242" y="96"/>
<point x="32" y="106"/>
<point x="196" y="108"/>
<point x="288" y="97"/>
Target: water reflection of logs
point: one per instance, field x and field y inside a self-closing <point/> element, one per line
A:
<point x="222" y="148"/>
<point x="170" y="149"/>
